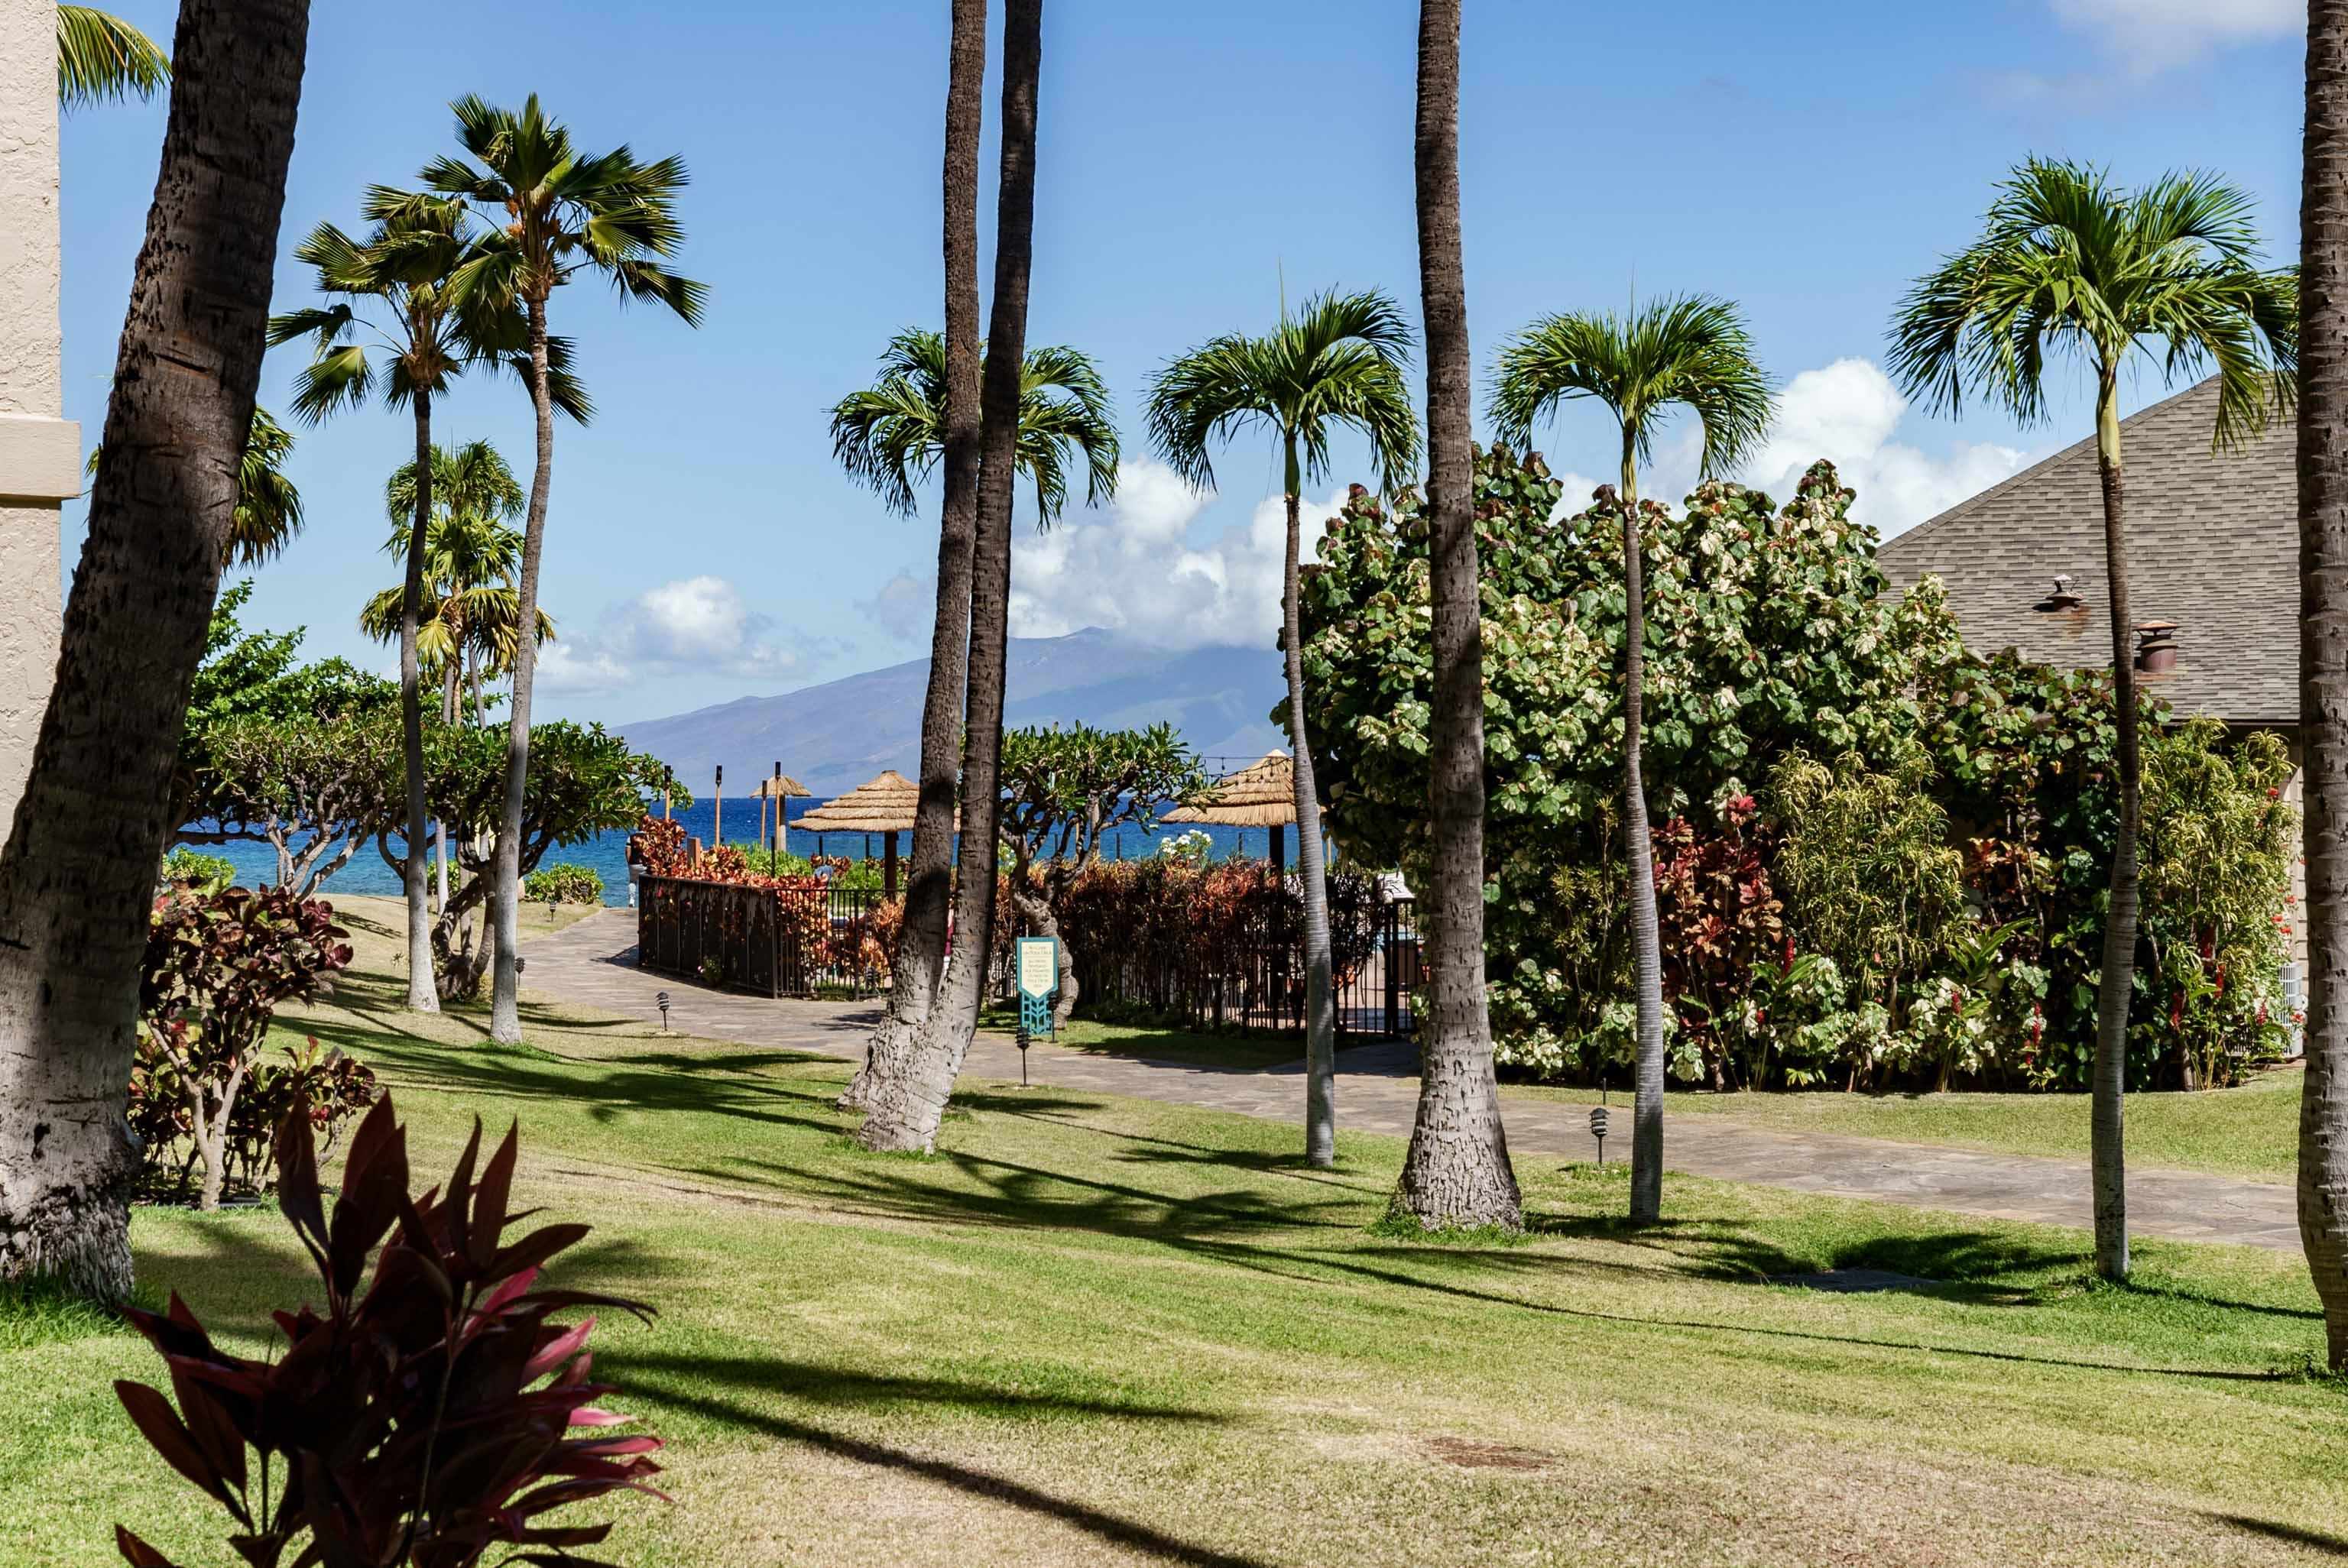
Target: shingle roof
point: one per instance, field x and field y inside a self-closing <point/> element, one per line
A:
<point x="2212" y="544"/>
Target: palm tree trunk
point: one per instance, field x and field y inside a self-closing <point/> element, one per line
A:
<point x="2117" y="986"/>
<point x="1457" y="1171"/>
<point x="905" y="1112"/>
<point x="505" y="891"/>
<point x="1320" y="1016"/>
<point x="78" y="874"/>
<point x="1639" y="855"/>
<point x="2324" y="660"/>
<point x="922" y="942"/>
<point x="416" y="878"/>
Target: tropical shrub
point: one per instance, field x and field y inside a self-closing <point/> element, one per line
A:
<point x="216" y="968"/>
<point x="1196" y="848"/>
<point x="422" y="1417"/>
<point x="563" y="883"/>
<point x="334" y="1088"/>
<point x="193" y="871"/>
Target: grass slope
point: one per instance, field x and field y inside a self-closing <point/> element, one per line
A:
<point x="1109" y="1331"/>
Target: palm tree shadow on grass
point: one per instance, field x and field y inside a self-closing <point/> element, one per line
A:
<point x="2315" y="1540"/>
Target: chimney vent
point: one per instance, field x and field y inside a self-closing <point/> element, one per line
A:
<point x="2062" y="597"/>
<point x="2156" y="646"/>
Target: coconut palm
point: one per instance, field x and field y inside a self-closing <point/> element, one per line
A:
<point x="78" y="874"/>
<point x="904" y="1111"/>
<point x="1456" y="1171"/>
<point x="552" y="212"/>
<point x="2071" y="263"/>
<point x="1691" y="353"/>
<point x="890" y="437"/>
<point x="102" y="58"/>
<point x="268" y="506"/>
<point x="2323" y="661"/>
<point x="391" y="291"/>
<point x="1336" y="365"/>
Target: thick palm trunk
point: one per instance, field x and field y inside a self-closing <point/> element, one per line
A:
<point x="2109" y="1092"/>
<point x="2324" y="660"/>
<point x="505" y="890"/>
<point x="1320" y="1015"/>
<point x="1639" y="857"/>
<point x="416" y="879"/>
<point x="905" y="1112"/>
<point x="914" y="977"/>
<point x="77" y="876"/>
<point x="1457" y="1171"/>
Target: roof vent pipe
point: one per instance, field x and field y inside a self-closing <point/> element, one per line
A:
<point x="2156" y="646"/>
<point x="2062" y="597"/>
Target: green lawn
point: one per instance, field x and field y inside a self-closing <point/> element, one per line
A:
<point x="1108" y="1331"/>
<point x="1195" y="1047"/>
<point x="2251" y="1131"/>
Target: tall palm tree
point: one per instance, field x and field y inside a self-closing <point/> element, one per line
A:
<point x="890" y="437"/>
<point x="1690" y="352"/>
<point x="1456" y="1171"/>
<point x="394" y="286"/>
<point x="903" y="1112"/>
<point x="101" y="58"/>
<point x="2070" y="262"/>
<point x="2324" y="658"/>
<point x="1337" y="364"/>
<point x="78" y="871"/>
<point x="553" y="212"/>
<point x="268" y="505"/>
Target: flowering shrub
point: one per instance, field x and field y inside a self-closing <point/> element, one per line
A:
<point x="563" y="883"/>
<point x="216" y="968"/>
<point x="1192" y="848"/>
<point x="421" y="1418"/>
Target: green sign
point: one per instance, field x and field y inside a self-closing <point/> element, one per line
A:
<point x="1039" y="967"/>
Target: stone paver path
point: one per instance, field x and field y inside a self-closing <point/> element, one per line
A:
<point x="592" y="964"/>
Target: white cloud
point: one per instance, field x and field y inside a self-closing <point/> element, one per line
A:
<point x="2153" y="34"/>
<point x="1133" y="568"/>
<point x="692" y="625"/>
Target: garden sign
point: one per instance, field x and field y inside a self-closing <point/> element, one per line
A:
<point x="1038" y="971"/>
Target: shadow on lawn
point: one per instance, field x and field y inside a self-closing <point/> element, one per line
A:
<point x="1094" y="1521"/>
<point x="2330" y="1545"/>
<point x="823" y="1385"/>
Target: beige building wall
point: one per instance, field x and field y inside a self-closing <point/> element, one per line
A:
<point x="40" y="452"/>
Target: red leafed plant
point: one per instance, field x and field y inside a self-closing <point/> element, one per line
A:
<point x="417" y="1422"/>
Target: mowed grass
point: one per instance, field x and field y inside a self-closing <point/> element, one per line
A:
<point x="1094" y="1330"/>
<point x="1196" y="1048"/>
<point x="2251" y="1129"/>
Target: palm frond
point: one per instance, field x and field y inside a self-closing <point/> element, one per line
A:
<point x="102" y="58"/>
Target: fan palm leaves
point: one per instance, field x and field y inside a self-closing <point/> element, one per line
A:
<point x="268" y="506"/>
<point x="1338" y="364"/>
<point x="2069" y="264"/>
<point x="550" y="213"/>
<point x="102" y="58"/>
<point x="1690" y="352"/>
<point x="892" y="434"/>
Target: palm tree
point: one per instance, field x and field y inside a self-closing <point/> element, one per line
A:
<point x="2323" y="661"/>
<point x="268" y="506"/>
<point x="890" y="437"/>
<point x="1456" y="1171"/>
<point x="394" y="286"/>
<point x="555" y="212"/>
<point x="102" y="57"/>
<point x="904" y="1110"/>
<point x="2069" y="261"/>
<point x="1337" y="364"/>
<point x="78" y="871"/>
<point x="1691" y="353"/>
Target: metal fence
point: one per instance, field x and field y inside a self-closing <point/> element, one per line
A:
<point x="773" y="942"/>
<point x="1257" y="981"/>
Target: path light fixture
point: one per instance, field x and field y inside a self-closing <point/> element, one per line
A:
<point x="1598" y="1124"/>
<point x="661" y="1001"/>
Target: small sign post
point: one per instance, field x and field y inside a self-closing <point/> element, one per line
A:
<point x="1038" y="971"/>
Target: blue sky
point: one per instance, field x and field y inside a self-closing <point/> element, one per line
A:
<point x="1808" y="159"/>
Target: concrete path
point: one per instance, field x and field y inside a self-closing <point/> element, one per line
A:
<point x="592" y="964"/>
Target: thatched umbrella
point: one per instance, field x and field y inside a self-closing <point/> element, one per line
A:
<point x="883" y="806"/>
<point x="781" y="789"/>
<point x="1263" y="794"/>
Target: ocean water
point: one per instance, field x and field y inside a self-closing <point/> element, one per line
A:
<point x="606" y="854"/>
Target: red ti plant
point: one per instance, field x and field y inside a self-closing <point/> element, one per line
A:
<point x="417" y="1422"/>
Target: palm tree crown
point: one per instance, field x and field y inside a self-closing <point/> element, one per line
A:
<point x="890" y="436"/>
<point x="471" y="553"/>
<point x="2070" y="261"/>
<point x="102" y="57"/>
<point x="1691" y="351"/>
<point x="555" y="210"/>
<point x="1338" y="362"/>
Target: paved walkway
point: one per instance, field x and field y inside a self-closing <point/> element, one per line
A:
<point x="593" y="963"/>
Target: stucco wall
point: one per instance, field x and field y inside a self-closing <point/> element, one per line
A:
<point x="32" y="478"/>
